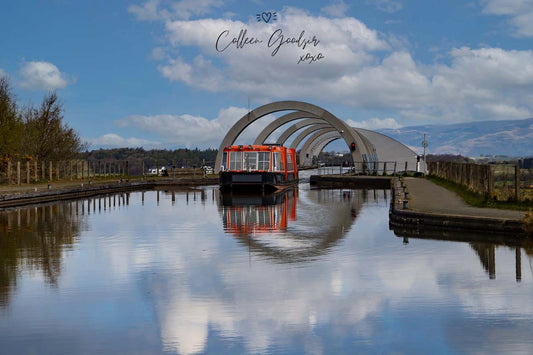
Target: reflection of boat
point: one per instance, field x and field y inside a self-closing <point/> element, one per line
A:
<point x="245" y="214"/>
<point x="264" y="168"/>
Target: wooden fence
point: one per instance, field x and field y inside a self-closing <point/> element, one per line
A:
<point x="33" y="171"/>
<point x="498" y="181"/>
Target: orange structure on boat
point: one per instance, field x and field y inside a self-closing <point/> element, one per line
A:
<point x="264" y="168"/>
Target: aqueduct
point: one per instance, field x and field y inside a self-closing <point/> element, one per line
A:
<point x="314" y="128"/>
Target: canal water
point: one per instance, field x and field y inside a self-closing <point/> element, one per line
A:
<point x="306" y="272"/>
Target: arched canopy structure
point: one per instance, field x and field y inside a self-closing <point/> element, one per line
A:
<point x="316" y="128"/>
<point x="364" y="147"/>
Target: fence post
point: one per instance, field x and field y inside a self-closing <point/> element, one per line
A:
<point x="490" y="179"/>
<point x="50" y="171"/>
<point x="9" y="172"/>
<point x="18" y="173"/>
<point x="517" y="182"/>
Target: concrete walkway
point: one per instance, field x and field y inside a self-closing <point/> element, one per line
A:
<point x="428" y="197"/>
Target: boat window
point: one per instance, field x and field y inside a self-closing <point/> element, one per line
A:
<point x="250" y="161"/>
<point x="264" y="161"/>
<point x="235" y="161"/>
<point x="224" y="161"/>
<point x="276" y="162"/>
<point x="290" y="166"/>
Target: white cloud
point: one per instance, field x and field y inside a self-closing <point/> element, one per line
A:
<point x="2" y="73"/>
<point x="337" y="9"/>
<point x="361" y="68"/>
<point x="346" y="43"/>
<point x="191" y="131"/>
<point x="112" y="140"/>
<point x="147" y="11"/>
<point x="375" y="123"/>
<point x="42" y="76"/>
<point x="519" y="12"/>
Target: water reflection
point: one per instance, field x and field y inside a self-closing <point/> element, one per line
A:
<point x="271" y="226"/>
<point x="36" y="237"/>
<point x="315" y="271"/>
<point x="483" y="245"/>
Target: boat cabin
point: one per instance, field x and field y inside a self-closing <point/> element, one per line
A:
<point x="268" y="167"/>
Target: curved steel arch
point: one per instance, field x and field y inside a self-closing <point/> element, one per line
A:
<point x="317" y="147"/>
<point x="310" y="142"/>
<point x="272" y="126"/>
<point x="325" y="140"/>
<point x="297" y="126"/>
<point x="306" y="132"/>
<point x="349" y="135"/>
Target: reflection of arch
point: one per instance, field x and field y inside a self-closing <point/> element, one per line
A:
<point x="310" y="231"/>
<point x="364" y="147"/>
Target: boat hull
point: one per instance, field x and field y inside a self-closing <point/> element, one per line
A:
<point x="255" y="181"/>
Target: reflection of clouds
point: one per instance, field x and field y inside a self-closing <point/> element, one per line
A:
<point x="184" y="325"/>
<point x="267" y="304"/>
<point x="201" y="286"/>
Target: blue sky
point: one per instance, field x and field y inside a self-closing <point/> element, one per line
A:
<point x="148" y="73"/>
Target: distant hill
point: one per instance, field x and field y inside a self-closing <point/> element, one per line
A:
<point x="511" y="138"/>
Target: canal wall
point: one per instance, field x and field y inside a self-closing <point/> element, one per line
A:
<point x="59" y="191"/>
<point x="434" y="215"/>
<point x="401" y="216"/>
<point x="350" y="182"/>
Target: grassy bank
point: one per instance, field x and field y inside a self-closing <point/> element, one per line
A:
<point x="478" y="200"/>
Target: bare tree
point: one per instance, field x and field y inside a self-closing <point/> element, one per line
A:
<point x="11" y="126"/>
<point x="45" y="136"/>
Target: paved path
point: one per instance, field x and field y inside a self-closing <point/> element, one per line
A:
<point x="428" y="197"/>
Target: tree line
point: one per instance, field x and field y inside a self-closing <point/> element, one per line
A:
<point x="35" y="133"/>
<point x="139" y="157"/>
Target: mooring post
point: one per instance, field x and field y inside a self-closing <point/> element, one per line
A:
<point x="18" y="173"/>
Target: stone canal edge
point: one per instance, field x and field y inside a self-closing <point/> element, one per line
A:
<point x="400" y="215"/>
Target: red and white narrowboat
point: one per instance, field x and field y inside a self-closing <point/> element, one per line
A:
<point x="265" y="168"/>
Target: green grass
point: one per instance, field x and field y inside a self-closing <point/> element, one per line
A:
<point x="478" y="200"/>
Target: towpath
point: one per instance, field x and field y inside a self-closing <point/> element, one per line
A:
<point x="428" y="197"/>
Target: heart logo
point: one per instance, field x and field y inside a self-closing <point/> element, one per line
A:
<point x="266" y="16"/>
